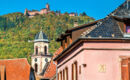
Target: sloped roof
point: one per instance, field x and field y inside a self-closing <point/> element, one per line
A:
<point x="16" y="69"/>
<point x="108" y="27"/>
<point x="51" y="70"/>
<point x="68" y="32"/>
<point x="81" y="26"/>
<point x="123" y="11"/>
<point x="41" y="37"/>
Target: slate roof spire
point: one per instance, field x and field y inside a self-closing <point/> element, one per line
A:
<point x="41" y="37"/>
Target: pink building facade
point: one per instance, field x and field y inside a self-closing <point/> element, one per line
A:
<point x="101" y="52"/>
<point x="96" y="61"/>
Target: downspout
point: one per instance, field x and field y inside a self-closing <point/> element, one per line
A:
<point x="56" y="73"/>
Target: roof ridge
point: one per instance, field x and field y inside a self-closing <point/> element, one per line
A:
<point x="15" y="59"/>
<point x="93" y="27"/>
<point x="117" y="8"/>
<point x="88" y="30"/>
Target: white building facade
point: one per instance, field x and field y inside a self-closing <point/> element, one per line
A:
<point x="41" y="56"/>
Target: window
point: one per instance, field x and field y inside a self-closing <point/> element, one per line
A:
<point x="125" y="68"/>
<point x="74" y="71"/>
<point x="127" y="28"/>
<point x="36" y="67"/>
<point x="36" y="50"/>
<point x="66" y="73"/>
<point x="45" y="50"/>
<point x="60" y="76"/>
<point x="63" y="74"/>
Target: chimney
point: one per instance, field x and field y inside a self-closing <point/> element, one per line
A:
<point x="75" y="23"/>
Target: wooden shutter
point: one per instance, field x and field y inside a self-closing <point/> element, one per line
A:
<point x="125" y="69"/>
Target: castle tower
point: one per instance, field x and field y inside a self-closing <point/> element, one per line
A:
<point x="48" y="7"/>
<point x="26" y="11"/>
<point x="40" y="57"/>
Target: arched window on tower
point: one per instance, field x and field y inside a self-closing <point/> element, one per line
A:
<point x="45" y="50"/>
<point x="36" y="50"/>
<point x="36" y="67"/>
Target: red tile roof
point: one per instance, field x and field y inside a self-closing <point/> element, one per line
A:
<point x="16" y="69"/>
<point x="51" y="70"/>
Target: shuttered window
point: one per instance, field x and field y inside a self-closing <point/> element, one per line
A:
<point x="125" y="69"/>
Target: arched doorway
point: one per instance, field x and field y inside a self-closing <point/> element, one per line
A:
<point x="36" y="67"/>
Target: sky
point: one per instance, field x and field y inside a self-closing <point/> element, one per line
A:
<point x="97" y="9"/>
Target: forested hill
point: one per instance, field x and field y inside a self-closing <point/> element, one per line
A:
<point x="16" y="29"/>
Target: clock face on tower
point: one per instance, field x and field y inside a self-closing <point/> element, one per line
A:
<point x="46" y="60"/>
<point x="35" y="59"/>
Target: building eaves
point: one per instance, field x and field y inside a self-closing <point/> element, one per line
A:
<point x="91" y="40"/>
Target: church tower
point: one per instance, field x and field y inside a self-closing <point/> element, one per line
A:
<point x="41" y="56"/>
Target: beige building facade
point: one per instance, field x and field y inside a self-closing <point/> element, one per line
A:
<point x="41" y="56"/>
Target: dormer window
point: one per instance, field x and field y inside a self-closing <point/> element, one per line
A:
<point x="127" y="28"/>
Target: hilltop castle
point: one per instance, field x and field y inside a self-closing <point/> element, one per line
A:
<point x="44" y="11"/>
